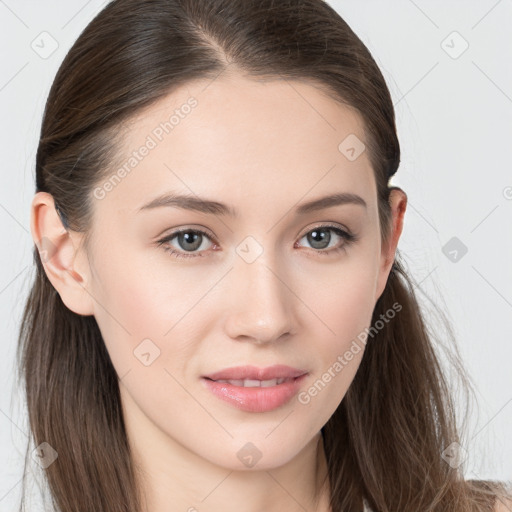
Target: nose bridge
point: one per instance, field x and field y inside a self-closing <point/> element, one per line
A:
<point x="262" y="304"/>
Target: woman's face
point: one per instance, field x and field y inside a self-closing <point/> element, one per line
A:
<point x="268" y="282"/>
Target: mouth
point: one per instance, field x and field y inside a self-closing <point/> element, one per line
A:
<point x="254" y="383"/>
<point x="255" y="390"/>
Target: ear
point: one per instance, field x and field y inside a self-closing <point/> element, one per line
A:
<point x="398" y="203"/>
<point x="65" y="264"/>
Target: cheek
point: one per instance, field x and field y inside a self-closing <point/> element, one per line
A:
<point x="343" y="301"/>
<point x="141" y="315"/>
<point x="343" y="310"/>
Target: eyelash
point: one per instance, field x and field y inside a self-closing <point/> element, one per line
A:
<point x="348" y="237"/>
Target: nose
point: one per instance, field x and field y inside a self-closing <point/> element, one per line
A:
<point x="262" y="305"/>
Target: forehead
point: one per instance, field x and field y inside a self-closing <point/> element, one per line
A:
<point x="241" y="141"/>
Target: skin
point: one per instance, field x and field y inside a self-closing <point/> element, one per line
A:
<point x="262" y="148"/>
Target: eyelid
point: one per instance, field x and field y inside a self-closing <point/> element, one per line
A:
<point x="327" y="224"/>
<point x="201" y="229"/>
<point x="188" y="227"/>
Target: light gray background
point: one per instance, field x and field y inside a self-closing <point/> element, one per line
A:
<point x="454" y="117"/>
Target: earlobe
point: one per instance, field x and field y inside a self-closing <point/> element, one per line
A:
<point x="398" y="204"/>
<point x="59" y="252"/>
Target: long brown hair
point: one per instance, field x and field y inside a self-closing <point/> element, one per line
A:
<point x="386" y="440"/>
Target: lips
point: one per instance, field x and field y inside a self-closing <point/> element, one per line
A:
<point x="253" y="389"/>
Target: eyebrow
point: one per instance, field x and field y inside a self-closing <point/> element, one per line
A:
<point x="189" y="202"/>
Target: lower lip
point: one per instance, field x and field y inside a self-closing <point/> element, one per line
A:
<point x="255" y="399"/>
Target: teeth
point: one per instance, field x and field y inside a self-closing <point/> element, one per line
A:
<point x="250" y="383"/>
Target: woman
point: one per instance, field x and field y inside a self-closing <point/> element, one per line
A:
<point x="279" y="363"/>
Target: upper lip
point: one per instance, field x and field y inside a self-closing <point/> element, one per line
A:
<point x="277" y="371"/>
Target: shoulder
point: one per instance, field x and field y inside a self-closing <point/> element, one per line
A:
<point x="500" y="493"/>
<point x="503" y="505"/>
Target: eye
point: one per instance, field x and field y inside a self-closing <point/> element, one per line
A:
<point x="190" y="240"/>
<point x="320" y="237"/>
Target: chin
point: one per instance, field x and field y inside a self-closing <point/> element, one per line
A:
<point x="259" y="451"/>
